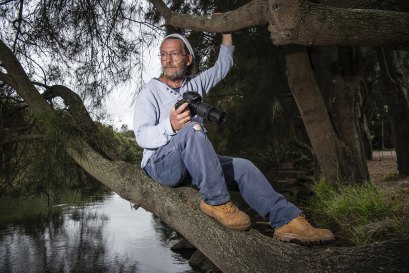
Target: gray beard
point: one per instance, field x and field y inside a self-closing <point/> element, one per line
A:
<point x="178" y="75"/>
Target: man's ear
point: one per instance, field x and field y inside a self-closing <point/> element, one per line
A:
<point x="189" y="59"/>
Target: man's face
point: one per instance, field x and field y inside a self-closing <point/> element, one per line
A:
<point x="174" y="68"/>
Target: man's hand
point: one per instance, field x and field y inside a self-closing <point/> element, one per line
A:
<point x="227" y="39"/>
<point x="179" y="117"/>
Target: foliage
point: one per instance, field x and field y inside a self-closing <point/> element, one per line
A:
<point x="91" y="46"/>
<point x="42" y="166"/>
<point x="39" y="166"/>
<point x="358" y="214"/>
<point x="123" y="143"/>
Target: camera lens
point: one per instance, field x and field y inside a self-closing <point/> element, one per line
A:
<point x="209" y="112"/>
<point x="216" y="116"/>
<point x="200" y="108"/>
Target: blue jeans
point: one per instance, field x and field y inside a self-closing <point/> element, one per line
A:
<point x="189" y="156"/>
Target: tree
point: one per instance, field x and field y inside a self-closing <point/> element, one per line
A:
<point x="241" y="252"/>
<point x="90" y="46"/>
<point x="335" y="158"/>
<point x="398" y="103"/>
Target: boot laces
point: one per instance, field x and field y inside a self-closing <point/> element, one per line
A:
<point x="229" y="207"/>
<point x="302" y="218"/>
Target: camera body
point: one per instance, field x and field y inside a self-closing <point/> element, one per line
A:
<point x="200" y="108"/>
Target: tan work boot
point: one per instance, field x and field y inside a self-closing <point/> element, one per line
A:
<point x="300" y="230"/>
<point x="228" y="215"/>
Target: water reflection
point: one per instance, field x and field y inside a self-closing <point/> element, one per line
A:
<point x="98" y="236"/>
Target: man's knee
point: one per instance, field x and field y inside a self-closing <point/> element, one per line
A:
<point x="190" y="129"/>
<point x="191" y="132"/>
<point x="244" y="167"/>
<point x="242" y="163"/>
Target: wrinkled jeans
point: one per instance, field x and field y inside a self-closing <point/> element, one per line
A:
<point x="189" y="155"/>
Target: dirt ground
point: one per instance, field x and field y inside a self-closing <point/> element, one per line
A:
<point x="384" y="173"/>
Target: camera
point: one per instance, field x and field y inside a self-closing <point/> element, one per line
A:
<point x="200" y="108"/>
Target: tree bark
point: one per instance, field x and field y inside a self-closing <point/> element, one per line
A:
<point x="398" y="106"/>
<point x="306" y="23"/>
<point x="303" y="23"/>
<point x="26" y="89"/>
<point x="81" y="117"/>
<point x="338" y="163"/>
<point x="339" y="71"/>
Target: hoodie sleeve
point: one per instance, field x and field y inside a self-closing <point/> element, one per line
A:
<point x="150" y="132"/>
<point x="207" y="79"/>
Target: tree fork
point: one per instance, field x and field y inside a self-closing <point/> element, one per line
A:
<point x="81" y="117"/>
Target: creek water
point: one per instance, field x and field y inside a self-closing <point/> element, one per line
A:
<point x="104" y="234"/>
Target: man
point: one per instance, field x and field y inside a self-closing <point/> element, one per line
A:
<point x="177" y="150"/>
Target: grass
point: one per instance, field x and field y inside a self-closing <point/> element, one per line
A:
<point x="357" y="214"/>
<point x="391" y="176"/>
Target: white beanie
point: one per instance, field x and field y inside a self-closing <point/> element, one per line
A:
<point x="185" y="41"/>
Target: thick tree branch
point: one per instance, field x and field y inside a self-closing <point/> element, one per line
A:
<point x="251" y="14"/>
<point x="360" y="4"/>
<point x="74" y="104"/>
<point x="80" y="116"/>
<point x="323" y="25"/>
<point x="21" y="83"/>
<point x="304" y="23"/>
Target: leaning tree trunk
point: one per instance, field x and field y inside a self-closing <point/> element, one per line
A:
<point x="335" y="159"/>
<point x="398" y="106"/>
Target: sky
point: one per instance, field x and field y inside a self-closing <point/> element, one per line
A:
<point x="119" y="104"/>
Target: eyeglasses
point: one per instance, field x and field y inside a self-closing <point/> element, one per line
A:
<point x="175" y="55"/>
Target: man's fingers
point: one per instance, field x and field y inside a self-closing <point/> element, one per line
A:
<point x="182" y="108"/>
<point x="179" y="117"/>
<point x="184" y="115"/>
<point x="187" y="119"/>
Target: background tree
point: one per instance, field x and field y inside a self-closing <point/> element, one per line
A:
<point x="91" y="46"/>
<point x="397" y="103"/>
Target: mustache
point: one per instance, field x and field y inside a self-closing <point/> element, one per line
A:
<point x="169" y="66"/>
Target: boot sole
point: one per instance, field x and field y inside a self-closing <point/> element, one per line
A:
<point x="291" y="238"/>
<point x="239" y="228"/>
